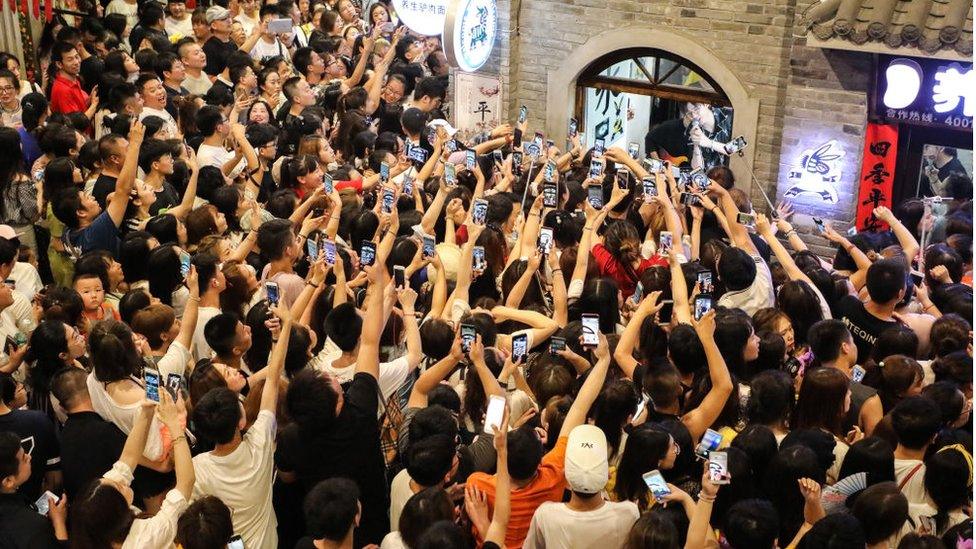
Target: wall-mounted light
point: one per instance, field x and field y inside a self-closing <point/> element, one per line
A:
<point x="904" y="80"/>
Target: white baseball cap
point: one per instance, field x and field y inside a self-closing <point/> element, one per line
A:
<point x="587" y="470"/>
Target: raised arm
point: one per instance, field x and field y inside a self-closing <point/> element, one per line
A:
<point x="699" y="530"/>
<point x="488" y="381"/>
<point x="189" y="320"/>
<point x="782" y="255"/>
<point x="737" y="232"/>
<point x="408" y="298"/>
<point x="542" y="326"/>
<point x="699" y="419"/>
<point x="503" y="488"/>
<point x="368" y="360"/>
<point x="269" y="394"/>
<point x="590" y="389"/>
<point x="136" y="441"/>
<point x="127" y="175"/>
<point x="190" y="194"/>
<point x="360" y="68"/>
<point x="433" y="376"/>
<point x="173" y="417"/>
<point x="624" y="352"/>
<point x="904" y="236"/>
<point x="679" y="290"/>
<point x="560" y="296"/>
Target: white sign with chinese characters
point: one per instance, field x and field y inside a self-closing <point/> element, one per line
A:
<point x="478" y="102"/>
<point x="469" y="32"/>
<point x="422" y="16"/>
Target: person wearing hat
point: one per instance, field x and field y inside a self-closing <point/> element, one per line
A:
<point x="587" y="520"/>
<point x="219" y="45"/>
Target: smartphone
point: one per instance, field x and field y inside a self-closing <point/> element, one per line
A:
<point x="468" y="335"/>
<point x="705" y="285"/>
<point x="312" y="247"/>
<point x="664" y="248"/>
<point x="656" y="484"/>
<point x="478" y="262"/>
<point x="516" y="138"/>
<point x="523" y="114"/>
<point x="699" y="181"/>
<point x="598" y="148"/>
<point x="329" y="249"/>
<point x="573" y="125"/>
<point x="650" y="187"/>
<point x="497" y="156"/>
<point x="718" y="467"/>
<point x="469" y="159"/>
<point x="623" y="178"/>
<point x="596" y="168"/>
<point x="327" y="184"/>
<point x="857" y="374"/>
<point x="429" y="246"/>
<point x="384" y="172"/>
<point x="387" y="205"/>
<point x="399" y="276"/>
<point x="703" y="304"/>
<point x="654" y="165"/>
<point x="42" y="505"/>
<point x="495" y="414"/>
<point x="689" y="199"/>
<point x="367" y="253"/>
<point x="557" y="344"/>
<point x="479" y="212"/>
<point x="821" y="228"/>
<point x="152" y="385"/>
<point x="710" y="442"/>
<point x="633" y="149"/>
<point x="591" y="329"/>
<point x="174" y="383"/>
<point x="916" y="277"/>
<point x="184" y="264"/>
<point x="545" y="240"/>
<point x="549" y="174"/>
<point x="550" y="198"/>
<point x="271" y="290"/>
<point x="595" y="196"/>
<point x="385" y="28"/>
<point x="407" y="184"/>
<point x="520" y="348"/>
<point x="748" y="220"/>
<point x="517" y="163"/>
<point x="450" y="175"/>
<point x="280" y="26"/>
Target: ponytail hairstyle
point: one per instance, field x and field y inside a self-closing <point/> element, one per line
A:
<point x="943" y="472"/>
<point x="893" y="378"/>
<point x="616" y="403"/>
<point x="623" y="242"/>
<point x="950" y="333"/>
<point x="298" y="166"/>
<point x="114" y="354"/>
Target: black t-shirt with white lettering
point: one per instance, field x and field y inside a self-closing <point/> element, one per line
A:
<point x="864" y="326"/>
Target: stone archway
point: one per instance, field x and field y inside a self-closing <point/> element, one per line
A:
<point x="561" y="83"/>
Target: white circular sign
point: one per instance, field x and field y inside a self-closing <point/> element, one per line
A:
<point x="469" y="32"/>
<point x="422" y="16"/>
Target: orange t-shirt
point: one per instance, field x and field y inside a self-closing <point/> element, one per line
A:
<point x="548" y="485"/>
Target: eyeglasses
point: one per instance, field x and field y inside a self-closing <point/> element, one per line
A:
<point x="6" y="89"/>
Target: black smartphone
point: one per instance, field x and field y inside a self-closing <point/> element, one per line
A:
<point x="550" y="198"/>
<point x="557" y="344"/>
<point x="468" y="335"/>
<point x="152" y="384"/>
<point x="520" y="348"/>
<point x="399" y="276"/>
<point x="367" y="254"/>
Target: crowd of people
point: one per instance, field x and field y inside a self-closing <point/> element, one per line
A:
<point x="260" y="293"/>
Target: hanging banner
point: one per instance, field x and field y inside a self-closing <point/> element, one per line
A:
<point x="877" y="174"/>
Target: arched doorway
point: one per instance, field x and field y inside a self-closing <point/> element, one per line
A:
<point x="673" y="57"/>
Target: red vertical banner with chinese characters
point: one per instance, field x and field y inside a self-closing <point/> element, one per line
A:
<point x="877" y="173"/>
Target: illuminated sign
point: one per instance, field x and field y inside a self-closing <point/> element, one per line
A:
<point x="469" y="32"/>
<point x="423" y="17"/>
<point x="926" y="92"/>
<point x="817" y="171"/>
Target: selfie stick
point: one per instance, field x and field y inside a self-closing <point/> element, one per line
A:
<point x="772" y="209"/>
<point x="528" y="183"/>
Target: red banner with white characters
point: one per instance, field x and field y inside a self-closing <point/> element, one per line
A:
<point x="877" y="173"/>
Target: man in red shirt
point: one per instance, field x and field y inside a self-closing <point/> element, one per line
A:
<point x="66" y="93"/>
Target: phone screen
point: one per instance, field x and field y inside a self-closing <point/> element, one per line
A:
<point x="520" y="347"/>
<point x="174" y="382"/>
<point x="468" y="335"/>
<point x="184" y="264"/>
<point x="42" y="504"/>
<point x="312" y="248"/>
<point x="495" y="414"/>
<point x="367" y="254"/>
<point x="718" y="467"/>
<point x="384" y="172"/>
<point x="705" y="282"/>
<point x="550" y="172"/>
<point x="480" y="213"/>
<point x="329" y="248"/>
<point x="387" y="200"/>
<point x="703" y="304"/>
<point x="664" y="248"/>
<point x="517" y="163"/>
<point x="271" y="289"/>
<point x="469" y="159"/>
<point x="596" y="168"/>
<point x="549" y="195"/>
<point x="857" y="374"/>
<point x="545" y="240"/>
<point x="633" y="149"/>
<point x="478" y="258"/>
<point x="573" y="125"/>
<point x="650" y="187"/>
<point x="557" y="344"/>
<point x="746" y="219"/>
<point x="591" y="330"/>
<point x="598" y="148"/>
<point x="236" y="542"/>
<point x="450" y="176"/>
<point x="327" y="184"/>
<point x="821" y="228"/>
<point x="657" y="485"/>
<point x="152" y="385"/>
<point x="623" y="178"/>
<point x="595" y="196"/>
<point x="523" y="114"/>
<point x="429" y="246"/>
<point x="399" y="276"/>
<point x="710" y="441"/>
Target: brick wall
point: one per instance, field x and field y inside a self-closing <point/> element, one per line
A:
<point x="803" y="91"/>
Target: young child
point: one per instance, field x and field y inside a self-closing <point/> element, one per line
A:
<point x="93" y="297"/>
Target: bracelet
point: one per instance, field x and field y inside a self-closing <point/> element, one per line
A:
<point x="703" y="497"/>
<point x="312" y="284"/>
<point x="181" y="437"/>
<point x="554" y="271"/>
<point x="929" y="306"/>
<point x="585" y="228"/>
<point x="195" y="299"/>
<point x="789" y="232"/>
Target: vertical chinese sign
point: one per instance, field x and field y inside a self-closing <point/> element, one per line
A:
<point x="478" y="102"/>
<point x="877" y="173"/>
